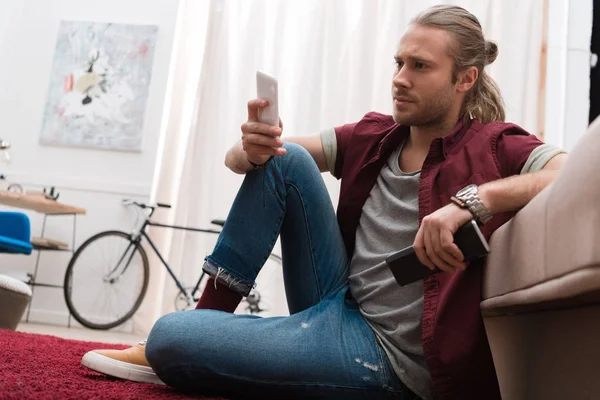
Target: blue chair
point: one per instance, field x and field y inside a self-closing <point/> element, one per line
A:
<point x="15" y="234"/>
<point x="14" y="294"/>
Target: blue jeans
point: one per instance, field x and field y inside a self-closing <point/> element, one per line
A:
<point x="324" y="349"/>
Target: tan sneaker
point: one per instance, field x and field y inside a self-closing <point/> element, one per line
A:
<point x="130" y="364"/>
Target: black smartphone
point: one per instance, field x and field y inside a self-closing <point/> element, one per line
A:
<point x="407" y="268"/>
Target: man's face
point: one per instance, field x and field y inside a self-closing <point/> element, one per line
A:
<point x="422" y="88"/>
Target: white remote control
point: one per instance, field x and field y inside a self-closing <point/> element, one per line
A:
<point x="266" y="89"/>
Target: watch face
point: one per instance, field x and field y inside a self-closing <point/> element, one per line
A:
<point x="464" y="190"/>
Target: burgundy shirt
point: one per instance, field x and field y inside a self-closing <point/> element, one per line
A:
<point x="455" y="345"/>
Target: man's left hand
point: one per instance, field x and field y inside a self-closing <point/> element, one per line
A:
<point x="434" y="244"/>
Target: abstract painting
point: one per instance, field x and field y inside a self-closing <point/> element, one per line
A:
<point x="99" y="85"/>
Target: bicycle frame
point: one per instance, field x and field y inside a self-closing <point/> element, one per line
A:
<point x="185" y="297"/>
<point x="143" y="233"/>
<point x="137" y="237"/>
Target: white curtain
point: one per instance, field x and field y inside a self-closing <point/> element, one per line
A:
<point x="334" y="62"/>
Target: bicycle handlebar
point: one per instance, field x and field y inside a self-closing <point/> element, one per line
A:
<point x="129" y="202"/>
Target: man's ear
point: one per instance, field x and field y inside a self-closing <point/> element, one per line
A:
<point x="466" y="79"/>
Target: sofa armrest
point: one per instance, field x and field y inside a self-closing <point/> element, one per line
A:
<point x="548" y="255"/>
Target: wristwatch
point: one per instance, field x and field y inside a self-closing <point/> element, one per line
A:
<point x="468" y="198"/>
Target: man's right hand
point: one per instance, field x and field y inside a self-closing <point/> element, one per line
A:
<point x="260" y="141"/>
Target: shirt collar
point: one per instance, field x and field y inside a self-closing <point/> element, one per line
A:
<point x="459" y="131"/>
<point x="439" y="146"/>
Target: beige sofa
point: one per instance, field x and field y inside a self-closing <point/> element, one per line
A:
<point x="541" y="290"/>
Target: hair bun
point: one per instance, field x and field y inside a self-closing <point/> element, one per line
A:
<point x="491" y="52"/>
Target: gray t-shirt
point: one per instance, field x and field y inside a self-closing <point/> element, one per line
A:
<point x="389" y="222"/>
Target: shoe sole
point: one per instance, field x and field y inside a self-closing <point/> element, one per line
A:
<point x="120" y="369"/>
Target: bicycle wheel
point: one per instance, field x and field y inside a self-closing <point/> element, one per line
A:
<point x="106" y="280"/>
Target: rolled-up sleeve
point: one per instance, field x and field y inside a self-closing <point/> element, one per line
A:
<point x="513" y="148"/>
<point x="329" y="143"/>
<point x="539" y="157"/>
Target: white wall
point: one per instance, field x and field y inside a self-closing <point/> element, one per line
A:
<point x="29" y="39"/>
<point x="93" y="179"/>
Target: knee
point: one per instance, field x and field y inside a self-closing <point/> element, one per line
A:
<point x="165" y="339"/>
<point x="176" y="337"/>
<point x="297" y="152"/>
<point x="297" y="155"/>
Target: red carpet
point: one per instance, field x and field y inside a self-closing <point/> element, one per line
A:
<point x="47" y="367"/>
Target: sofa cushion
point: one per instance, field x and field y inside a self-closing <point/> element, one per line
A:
<point x="549" y="253"/>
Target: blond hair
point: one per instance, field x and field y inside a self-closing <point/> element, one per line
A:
<point x="469" y="48"/>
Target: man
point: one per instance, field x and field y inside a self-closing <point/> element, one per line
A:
<point x="405" y="179"/>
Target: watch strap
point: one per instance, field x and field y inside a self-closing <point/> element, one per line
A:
<point x="469" y="198"/>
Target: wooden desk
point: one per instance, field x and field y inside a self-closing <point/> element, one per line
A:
<point x="41" y="204"/>
<point x="38" y="203"/>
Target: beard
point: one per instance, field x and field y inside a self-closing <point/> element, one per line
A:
<point x="428" y="111"/>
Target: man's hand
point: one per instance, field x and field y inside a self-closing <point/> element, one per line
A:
<point x="260" y="141"/>
<point x="434" y="244"/>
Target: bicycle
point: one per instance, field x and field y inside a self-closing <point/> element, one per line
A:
<point x="129" y="269"/>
